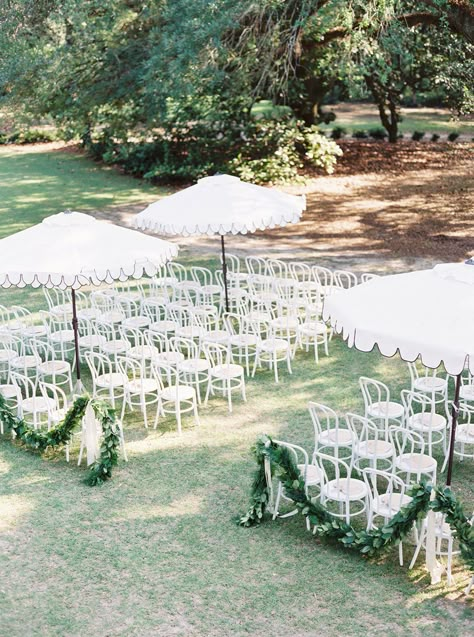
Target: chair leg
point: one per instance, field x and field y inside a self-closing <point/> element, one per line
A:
<point x="229" y="396"/>
<point x="400" y="553"/>
<point x="178" y="416"/>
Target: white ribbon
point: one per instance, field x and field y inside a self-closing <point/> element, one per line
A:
<point x="91" y="435"/>
<point x="434" y="567"/>
<point x="268" y="478"/>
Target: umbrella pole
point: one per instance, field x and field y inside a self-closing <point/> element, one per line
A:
<point x="224" y="272"/>
<point x="79" y="386"/>
<point x="454" y="420"/>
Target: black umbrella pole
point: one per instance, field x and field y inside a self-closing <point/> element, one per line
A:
<point x="454" y="420"/>
<point x="224" y="272"/>
<point x="76" y="336"/>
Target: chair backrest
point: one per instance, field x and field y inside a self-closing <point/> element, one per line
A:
<point x="215" y="353"/>
<point x="418" y="403"/>
<point x="43" y="350"/>
<point x="56" y="297"/>
<point x="156" y="339"/>
<point x="323" y="276"/>
<point x="365" y="429"/>
<point x="277" y="268"/>
<point x="233" y="262"/>
<point x="202" y="276"/>
<point x="300" y="271"/>
<point x="373" y="391"/>
<point x="385" y="490"/>
<point x="332" y="468"/>
<point x="98" y="364"/>
<point x="298" y="455"/>
<point x="27" y="386"/>
<point x="186" y="346"/>
<point x="368" y="276"/>
<point x="177" y="270"/>
<point x="406" y="441"/>
<point x="323" y="418"/>
<point x="255" y="265"/>
<point x="48" y="390"/>
<point x="345" y="279"/>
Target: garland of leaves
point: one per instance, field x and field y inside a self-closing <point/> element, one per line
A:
<point x="370" y="542"/>
<point x="61" y="434"/>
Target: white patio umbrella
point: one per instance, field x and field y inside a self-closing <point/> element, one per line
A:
<point x="222" y="205"/>
<point x="72" y="249"/>
<point x="427" y="314"/>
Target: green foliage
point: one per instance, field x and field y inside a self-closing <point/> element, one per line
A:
<point x="326" y="525"/>
<point x="360" y="134"/>
<point x="377" y="133"/>
<point x="30" y="136"/>
<point x="338" y="132"/>
<point x="263" y="151"/>
<point x="59" y="435"/>
<point x="434" y="137"/>
<point x="418" y="135"/>
<point x="452" y="137"/>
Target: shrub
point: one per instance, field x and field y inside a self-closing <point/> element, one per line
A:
<point x="263" y="151"/>
<point x="378" y="133"/>
<point x="418" y="136"/>
<point x="360" y="134"/>
<point x="434" y="137"/>
<point x="338" y="132"/>
<point x="28" y="136"/>
<point x="452" y="137"/>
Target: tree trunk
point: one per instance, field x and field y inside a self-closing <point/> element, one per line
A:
<point x="385" y="98"/>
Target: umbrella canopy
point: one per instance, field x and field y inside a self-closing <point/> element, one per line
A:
<point x="221" y="204"/>
<point x="72" y="249"/>
<point x="427" y="314"/>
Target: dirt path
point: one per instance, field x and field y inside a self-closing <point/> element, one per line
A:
<point x="386" y="209"/>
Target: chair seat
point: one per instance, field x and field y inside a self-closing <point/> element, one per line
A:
<point x="336" y="438"/>
<point x="415" y="462"/>
<point x="22" y="362"/>
<point x="169" y="358"/>
<point x="227" y="370"/>
<point x="243" y="340"/>
<point x="143" y="352"/>
<point x="193" y="365"/>
<point x="115" y="379"/>
<point x="465" y="433"/>
<point x="145" y="385"/>
<point x="112" y="316"/>
<point x="163" y="326"/>
<point x="285" y="323"/>
<point x="385" y="410"/>
<point x="217" y="336"/>
<point x="178" y="393"/>
<point x="92" y="340"/>
<point x="467" y="392"/>
<point x="190" y="331"/>
<point x="389" y="505"/>
<point x="9" y="391"/>
<point x="426" y="422"/>
<point x="375" y="449"/>
<point x="35" y="331"/>
<point x="313" y="474"/>
<point x="7" y="355"/>
<point x="128" y="297"/>
<point x="274" y="344"/>
<point x="430" y="384"/>
<point x="89" y="313"/>
<point x="54" y="367"/>
<point x="116" y="346"/>
<point x="313" y="327"/>
<point x="61" y="309"/>
<point x="345" y="489"/>
<point x="38" y="404"/>
<point x="138" y="322"/>
<point x="62" y="336"/>
<point x="210" y="289"/>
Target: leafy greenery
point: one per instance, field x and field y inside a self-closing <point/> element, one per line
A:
<point x="61" y="434"/>
<point x="366" y="542"/>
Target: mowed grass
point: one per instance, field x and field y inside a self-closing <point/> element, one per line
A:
<point x="156" y="551"/>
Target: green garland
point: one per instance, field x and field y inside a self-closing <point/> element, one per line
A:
<point x="325" y="525"/>
<point x="61" y="434"/>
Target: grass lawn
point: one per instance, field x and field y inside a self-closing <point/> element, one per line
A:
<point x="353" y="116"/>
<point x="156" y="551"/>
